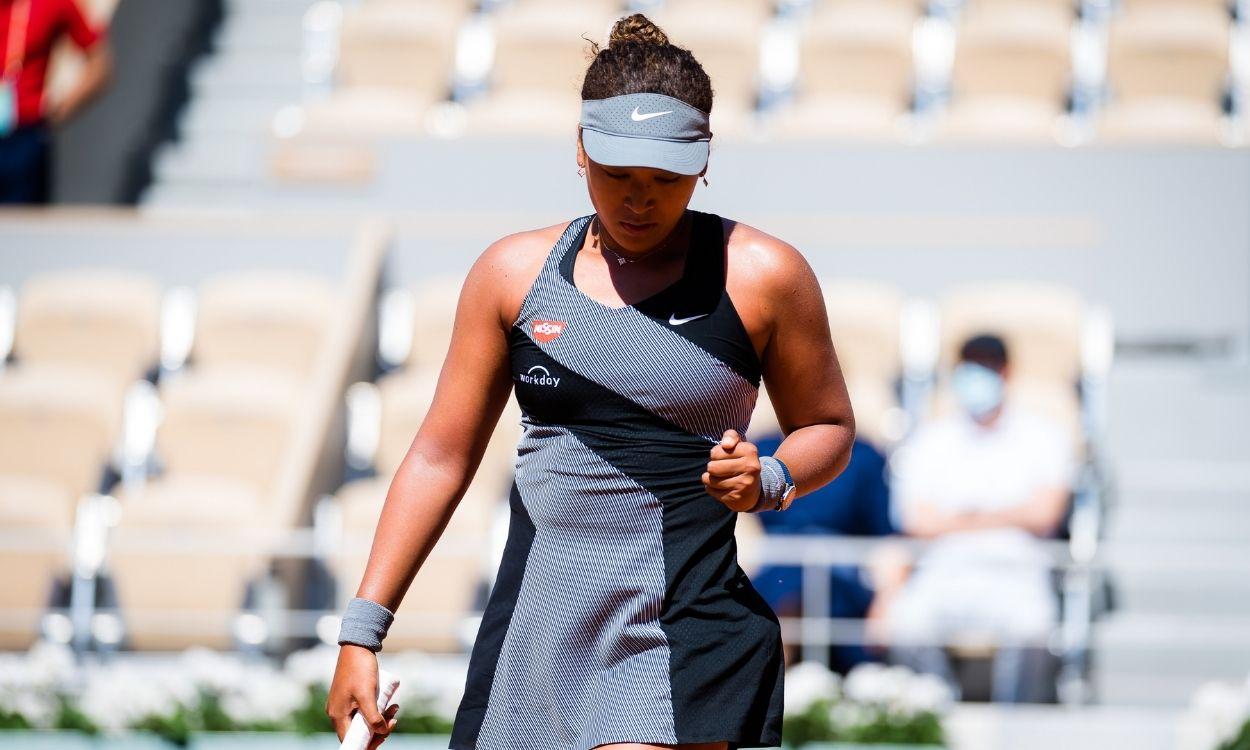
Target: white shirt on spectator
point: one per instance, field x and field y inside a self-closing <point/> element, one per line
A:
<point x="993" y="578"/>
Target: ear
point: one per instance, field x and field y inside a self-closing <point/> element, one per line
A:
<point x="581" y="152"/>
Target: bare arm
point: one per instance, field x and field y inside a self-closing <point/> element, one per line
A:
<point x="801" y="371"/>
<point x="1040" y="515"/>
<point x="96" y="74"/>
<point x="803" y="376"/>
<point x="472" y="388"/>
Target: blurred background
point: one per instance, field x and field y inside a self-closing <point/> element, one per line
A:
<point x="237" y="233"/>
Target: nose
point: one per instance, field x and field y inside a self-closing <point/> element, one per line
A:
<point x="639" y="196"/>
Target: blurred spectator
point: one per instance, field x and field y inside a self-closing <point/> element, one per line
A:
<point x="855" y="504"/>
<point x="29" y="32"/>
<point x="985" y="484"/>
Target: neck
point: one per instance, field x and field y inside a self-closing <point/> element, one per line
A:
<point x="672" y="240"/>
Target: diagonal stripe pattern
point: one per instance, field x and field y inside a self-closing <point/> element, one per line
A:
<point x="635" y="356"/>
<point x="585" y="660"/>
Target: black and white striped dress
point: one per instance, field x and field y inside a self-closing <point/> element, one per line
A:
<point x="620" y="613"/>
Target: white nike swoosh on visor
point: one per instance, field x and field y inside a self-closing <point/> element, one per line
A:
<point x="673" y="320"/>
<point x="636" y="116"/>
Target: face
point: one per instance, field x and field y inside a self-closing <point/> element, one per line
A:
<point x="638" y="206"/>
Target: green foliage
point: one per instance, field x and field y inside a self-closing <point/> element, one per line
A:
<point x="68" y="716"/>
<point x="13" y="720"/>
<point x="1239" y="742"/>
<point x="311" y="718"/>
<point x="882" y="726"/>
<point x="174" y="729"/>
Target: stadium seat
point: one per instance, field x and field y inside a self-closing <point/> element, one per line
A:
<point x="403" y="45"/>
<point x="864" y="318"/>
<point x="367" y="112"/>
<point x="434" y="310"/>
<point x="406" y="397"/>
<point x="184" y="550"/>
<point x="42" y="512"/>
<point x="525" y="111"/>
<point x="1040" y="323"/>
<point x="1169" y="51"/>
<point x="1160" y="121"/>
<point x="1011" y="71"/>
<point x="232" y="422"/>
<point x="444" y="590"/>
<point x="268" y="318"/>
<point x="861" y="49"/>
<point x="726" y="42"/>
<point x="541" y="45"/>
<point x="105" y="320"/>
<point x="58" y="424"/>
<point x="856" y="118"/>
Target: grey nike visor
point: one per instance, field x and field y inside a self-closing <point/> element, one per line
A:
<point x="646" y="130"/>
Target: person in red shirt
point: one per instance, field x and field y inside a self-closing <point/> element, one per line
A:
<point x="29" y="31"/>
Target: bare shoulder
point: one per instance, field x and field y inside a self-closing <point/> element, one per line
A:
<point x="766" y="273"/>
<point x="508" y="266"/>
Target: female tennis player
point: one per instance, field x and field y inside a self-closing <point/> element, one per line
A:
<point x="636" y="339"/>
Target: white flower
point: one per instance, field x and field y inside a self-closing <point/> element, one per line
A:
<point x="847" y="715"/>
<point x="807" y="683"/>
<point x="50" y="665"/>
<point x="925" y="693"/>
<point x="314" y="666"/>
<point x="211" y="670"/>
<point x="435" y="680"/>
<point x="1222" y="707"/>
<point x="120" y="694"/>
<point x="265" y="695"/>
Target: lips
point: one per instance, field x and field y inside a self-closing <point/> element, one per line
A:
<point x="636" y="228"/>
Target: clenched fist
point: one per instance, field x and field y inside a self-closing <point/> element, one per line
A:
<point x="733" y="473"/>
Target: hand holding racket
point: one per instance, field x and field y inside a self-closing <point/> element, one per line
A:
<point x="361" y="701"/>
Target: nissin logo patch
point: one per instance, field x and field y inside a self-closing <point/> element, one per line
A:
<point x="547" y="331"/>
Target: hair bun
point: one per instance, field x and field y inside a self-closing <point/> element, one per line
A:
<point x="637" y="29"/>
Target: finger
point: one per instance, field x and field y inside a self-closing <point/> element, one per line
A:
<point x="746" y="465"/>
<point x="742" y="448"/>
<point x="340" y="717"/>
<point x="373" y="717"/>
<point x="730" y="439"/>
<point x="391" y="715"/>
<point x="729" y="484"/>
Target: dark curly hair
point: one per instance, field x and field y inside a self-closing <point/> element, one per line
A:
<point x="640" y="58"/>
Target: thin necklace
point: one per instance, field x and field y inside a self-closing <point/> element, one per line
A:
<point x="622" y="260"/>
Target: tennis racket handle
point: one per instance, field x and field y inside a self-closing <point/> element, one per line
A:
<point x="359" y="733"/>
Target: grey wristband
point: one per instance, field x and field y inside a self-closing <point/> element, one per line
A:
<point x="773" y="484"/>
<point x="365" y="624"/>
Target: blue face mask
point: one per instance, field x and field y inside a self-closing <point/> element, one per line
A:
<point x="978" y="389"/>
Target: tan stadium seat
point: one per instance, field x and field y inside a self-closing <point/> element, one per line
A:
<point x="1168" y="51"/>
<point x="435" y="301"/>
<point x="1222" y="5"/>
<point x="275" y="319"/>
<point x="860" y="49"/>
<point x="1159" y="120"/>
<point x="857" y="118"/>
<point x="107" y="320"/>
<point x="1001" y="119"/>
<point x="42" y="513"/>
<point x="865" y="319"/>
<point x="442" y="593"/>
<point x="1040" y="323"/>
<point x="181" y="556"/>
<point x="878" y="417"/>
<point x="1011" y="71"/>
<point x="402" y="45"/>
<point x="58" y="423"/>
<point x="726" y="41"/>
<point x="540" y="44"/>
<point x="405" y="400"/>
<point x="234" y="423"/>
<point x="525" y="111"/>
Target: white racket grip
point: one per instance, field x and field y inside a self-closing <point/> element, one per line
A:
<point x="359" y="733"/>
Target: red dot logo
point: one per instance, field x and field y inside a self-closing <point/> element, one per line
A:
<point x="547" y="331"/>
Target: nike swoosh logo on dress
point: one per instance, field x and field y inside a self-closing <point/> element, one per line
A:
<point x="636" y="116"/>
<point x="673" y="320"/>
